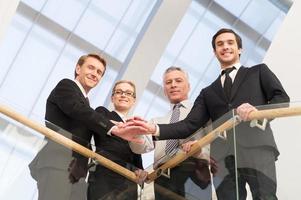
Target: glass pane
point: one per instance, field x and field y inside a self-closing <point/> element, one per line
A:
<point x="258" y="144"/>
<point x="27" y="159"/>
<point x="234" y="7"/>
<point x="57" y="11"/>
<point x="193" y="180"/>
<point x="267" y="12"/>
<point x="30" y="70"/>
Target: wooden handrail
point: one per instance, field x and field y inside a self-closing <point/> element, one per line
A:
<point x="174" y="161"/>
<point x="68" y="143"/>
<point x="212" y="135"/>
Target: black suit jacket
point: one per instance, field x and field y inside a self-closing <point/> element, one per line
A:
<point x="256" y="85"/>
<point x="104" y="181"/>
<point x="67" y="108"/>
<point x="113" y="147"/>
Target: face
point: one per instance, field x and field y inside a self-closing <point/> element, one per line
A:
<point x="90" y="73"/>
<point x="176" y="86"/>
<point x="227" y="51"/>
<point x="123" y="98"/>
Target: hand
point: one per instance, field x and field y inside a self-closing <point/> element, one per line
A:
<point x="130" y="132"/>
<point x="186" y="147"/>
<point x="77" y="170"/>
<point x="149" y="127"/>
<point x="244" y="110"/>
<point x="141" y="176"/>
<point x="135" y="118"/>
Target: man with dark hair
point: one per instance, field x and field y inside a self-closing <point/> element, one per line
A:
<point x="254" y="152"/>
<point x="67" y="108"/>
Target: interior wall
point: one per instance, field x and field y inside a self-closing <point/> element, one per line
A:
<point x="283" y="58"/>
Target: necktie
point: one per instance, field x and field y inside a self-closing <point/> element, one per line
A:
<point x="228" y="82"/>
<point x="175" y="116"/>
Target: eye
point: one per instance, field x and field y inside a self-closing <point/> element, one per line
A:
<point x="129" y="93"/>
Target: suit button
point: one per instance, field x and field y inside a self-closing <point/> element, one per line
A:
<point x="229" y="105"/>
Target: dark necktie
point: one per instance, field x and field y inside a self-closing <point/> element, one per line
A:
<point x="175" y="116"/>
<point x="228" y="81"/>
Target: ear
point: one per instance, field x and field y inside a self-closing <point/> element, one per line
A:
<point x="240" y="51"/>
<point x="77" y="69"/>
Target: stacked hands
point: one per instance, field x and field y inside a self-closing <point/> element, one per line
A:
<point x="134" y="127"/>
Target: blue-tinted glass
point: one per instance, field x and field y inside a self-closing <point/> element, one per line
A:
<point x="15" y="34"/>
<point x="234" y="7"/>
<point x="58" y="11"/>
<point x="37" y="5"/>
<point x="99" y="21"/>
<point x="272" y="30"/>
<point x="124" y="37"/>
<point x="31" y="67"/>
<point x="265" y="11"/>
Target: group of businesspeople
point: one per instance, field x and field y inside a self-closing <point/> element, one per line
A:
<point x="247" y="157"/>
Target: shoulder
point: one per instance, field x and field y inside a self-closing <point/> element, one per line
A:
<point x="258" y="67"/>
<point x="102" y="109"/>
<point x="66" y="83"/>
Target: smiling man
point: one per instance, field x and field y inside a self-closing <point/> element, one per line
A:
<point x="67" y="107"/>
<point x="254" y="151"/>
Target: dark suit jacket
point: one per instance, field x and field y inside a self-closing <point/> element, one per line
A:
<point x="104" y="181"/>
<point x="67" y="108"/>
<point x="256" y="85"/>
<point x="113" y="147"/>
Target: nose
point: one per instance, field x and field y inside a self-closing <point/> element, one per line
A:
<point x="173" y="84"/>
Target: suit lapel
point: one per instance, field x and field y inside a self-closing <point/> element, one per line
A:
<point x="240" y="76"/>
<point x="116" y="117"/>
<point x="217" y="87"/>
<point x="80" y="93"/>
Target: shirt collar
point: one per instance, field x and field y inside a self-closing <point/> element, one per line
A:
<point x="81" y="88"/>
<point x="236" y="65"/>
<point x="184" y="103"/>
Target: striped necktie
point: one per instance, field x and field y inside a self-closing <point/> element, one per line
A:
<point x="175" y="116"/>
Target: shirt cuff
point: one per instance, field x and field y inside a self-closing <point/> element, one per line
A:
<point x="110" y="131"/>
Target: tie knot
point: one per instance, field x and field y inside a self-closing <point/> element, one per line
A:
<point x="228" y="70"/>
<point x="178" y="105"/>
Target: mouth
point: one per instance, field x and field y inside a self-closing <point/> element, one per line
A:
<point x="227" y="53"/>
<point x="125" y="101"/>
<point x="174" y="92"/>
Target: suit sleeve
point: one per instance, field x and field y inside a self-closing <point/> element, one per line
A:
<point x="197" y="118"/>
<point x="72" y="104"/>
<point x="272" y="87"/>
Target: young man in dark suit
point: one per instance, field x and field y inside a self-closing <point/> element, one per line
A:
<point x="68" y="108"/>
<point x="256" y="150"/>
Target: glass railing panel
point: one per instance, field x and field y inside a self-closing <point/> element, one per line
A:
<point x="266" y="152"/>
<point x="30" y="164"/>
<point x="192" y="178"/>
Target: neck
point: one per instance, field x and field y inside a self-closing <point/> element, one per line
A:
<point x="123" y="112"/>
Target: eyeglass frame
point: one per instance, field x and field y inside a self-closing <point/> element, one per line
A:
<point x="126" y="93"/>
